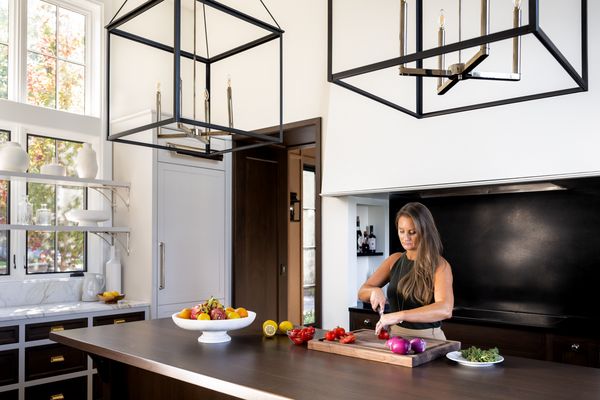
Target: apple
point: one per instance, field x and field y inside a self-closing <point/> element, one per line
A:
<point x="195" y="312"/>
<point x="217" y="313"/>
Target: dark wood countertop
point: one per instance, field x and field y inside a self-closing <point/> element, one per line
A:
<point x="251" y="366"/>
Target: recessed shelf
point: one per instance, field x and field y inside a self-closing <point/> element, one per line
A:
<point x="53" y="228"/>
<point x="369" y="254"/>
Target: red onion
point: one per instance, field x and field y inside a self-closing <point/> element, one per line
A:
<point x="418" y="345"/>
<point x="400" y="346"/>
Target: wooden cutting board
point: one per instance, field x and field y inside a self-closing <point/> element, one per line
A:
<point x="369" y="347"/>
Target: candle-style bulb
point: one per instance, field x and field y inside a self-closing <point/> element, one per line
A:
<point x="442" y="19"/>
<point x="158" y="86"/>
<point x="517" y="3"/>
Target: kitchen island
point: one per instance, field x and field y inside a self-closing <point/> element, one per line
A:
<point x="156" y="359"/>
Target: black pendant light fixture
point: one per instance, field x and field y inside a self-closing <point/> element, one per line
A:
<point x="176" y="125"/>
<point x="449" y="76"/>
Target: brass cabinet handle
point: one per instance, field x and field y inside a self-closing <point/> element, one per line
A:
<point x="57" y="328"/>
<point x="119" y="321"/>
<point x="55" y="359"/>
<point x="367" y="322"/>
<point x="59" y="396"/>
<point x="161" y="246"/>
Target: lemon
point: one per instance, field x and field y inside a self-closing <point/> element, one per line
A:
<point x="203" y="316"/>
<point x="285" y="326"/>
<point x="232" y="315"/>
<point x="269" y="328"/>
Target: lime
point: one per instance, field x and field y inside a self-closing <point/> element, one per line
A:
<point x="285" y="326"/>
<point x="269" y="328"/>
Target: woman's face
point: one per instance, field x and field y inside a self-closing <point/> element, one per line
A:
<point x="409" y="238"/>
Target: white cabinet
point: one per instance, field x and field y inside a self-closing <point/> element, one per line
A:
<point x="191" y="235"/>
<point x="180" y="221"/>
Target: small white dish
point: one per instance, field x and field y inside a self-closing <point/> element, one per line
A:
<point x="87" y="217"/>
<point x="456" y="356"/>
<point x="214" y="331"/>
<point x="54" y="168"/>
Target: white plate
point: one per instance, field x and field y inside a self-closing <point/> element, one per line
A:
<point x="456" y="356"/>
<point x="88" y="217"/>
<point x="214" y="331"/>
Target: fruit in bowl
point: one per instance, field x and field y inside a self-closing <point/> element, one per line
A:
<point x="301" y="334"/>
<point x="213" y="320"/>
<point x="110" y="297"/>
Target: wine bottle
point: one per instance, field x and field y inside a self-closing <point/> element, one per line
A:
<point x="359" y="236"/>
<point x="372" y="241"/>
<point x="365" y="243"/>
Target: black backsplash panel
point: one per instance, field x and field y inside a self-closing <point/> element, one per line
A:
<point x="536" y="252"/>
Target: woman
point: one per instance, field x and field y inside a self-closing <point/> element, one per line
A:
<point x="420" y="279"/>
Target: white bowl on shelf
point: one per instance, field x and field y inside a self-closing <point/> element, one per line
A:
<point x="87" y="217"/>
<point x="214" y="331"/>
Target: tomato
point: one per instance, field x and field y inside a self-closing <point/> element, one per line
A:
<point x="330" y="335"/>
<point x="295" y="333"/>
<point x="383" y="335"/>
<point x="297" y="340"/>
<point x="339" y="332"/>
<point x="306" y="335"/>
<point x="349" y="338"/>
<point x="311" y="329"/>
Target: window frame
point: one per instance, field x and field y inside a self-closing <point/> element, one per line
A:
<point x="309" y="168"/>
<point x="85" y="206"/>
<point x="8" y="215"/>
<point x="17" y="58"/>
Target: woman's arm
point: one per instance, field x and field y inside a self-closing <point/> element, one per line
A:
<point x="370" y="291"/>
<point x="440" y="309"/>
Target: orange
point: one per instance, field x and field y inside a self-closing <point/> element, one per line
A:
<point x="228" y="310"/>
<point x="203" y="316"/>
<point x="242" y="312"/>
<point x="232" y="315"/>
<point x="185" y="313"/>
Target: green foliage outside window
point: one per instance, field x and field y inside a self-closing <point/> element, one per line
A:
<point x="4" y="243"/>
<point x="49" y="252"/>
<point x="3" y="49"/>
<point x="56" y="46"/>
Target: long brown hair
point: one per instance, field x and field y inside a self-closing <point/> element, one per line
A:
<point x="418" y="283"/>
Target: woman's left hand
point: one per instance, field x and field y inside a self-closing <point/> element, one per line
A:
<point x="386" y="320"/>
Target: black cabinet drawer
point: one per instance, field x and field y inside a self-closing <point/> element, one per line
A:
<point x="9" y="367"/>
<point x="10" y="395"/>
<point x="119" y="318"/>
<point x="574" y="350"/>
<point x="363" y="319"/>
<point x="9" y="334"/>
<point x="41" y="331"/>
<point x="51" y="360"/>
<point x="75" y="389"/>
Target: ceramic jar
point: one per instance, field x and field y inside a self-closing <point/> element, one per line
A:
<point x="87" y="165"/>
<point x="54" y="168"/>
<point x="13" y="157"/>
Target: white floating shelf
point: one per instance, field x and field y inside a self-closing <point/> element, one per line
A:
<point x="52" y="228"/>
<point x="60" y="180"/>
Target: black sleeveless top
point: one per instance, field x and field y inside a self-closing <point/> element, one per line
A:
<point x="397" y="301"/>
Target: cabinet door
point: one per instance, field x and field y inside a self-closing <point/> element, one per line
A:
<point x="191" y="235"/>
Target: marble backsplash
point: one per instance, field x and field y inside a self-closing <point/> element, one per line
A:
<point x="40" y="291"/>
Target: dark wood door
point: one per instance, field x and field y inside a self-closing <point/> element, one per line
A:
<point x="260" y="231"/>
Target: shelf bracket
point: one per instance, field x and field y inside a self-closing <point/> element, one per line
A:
<point x="114" y="238"/>
<point x="115" y="192"/>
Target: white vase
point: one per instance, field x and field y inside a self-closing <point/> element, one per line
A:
<point x="54" y="168"/>
<point x="87" y="165"/>
<point x="113" y="272"/>
<point x="13" y="157"/>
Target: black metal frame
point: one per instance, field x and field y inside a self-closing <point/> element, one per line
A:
<point x="274" y="33"/>
<point x="533" y="27"/>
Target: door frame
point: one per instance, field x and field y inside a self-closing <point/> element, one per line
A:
<point x="300" y="134"/>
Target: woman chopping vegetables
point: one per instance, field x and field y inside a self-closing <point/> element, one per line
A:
<point x="420" y="279"/>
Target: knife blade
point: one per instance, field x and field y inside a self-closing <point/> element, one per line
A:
<point x="381" y="315"/>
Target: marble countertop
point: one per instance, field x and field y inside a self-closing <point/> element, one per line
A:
<point x="55" y="309"/>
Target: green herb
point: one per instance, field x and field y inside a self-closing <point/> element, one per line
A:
<point x="475" y="354"/>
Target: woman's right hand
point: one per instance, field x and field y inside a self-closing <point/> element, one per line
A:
<point x="377" y="299"/>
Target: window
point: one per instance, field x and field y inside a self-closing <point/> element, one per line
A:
<point x="54" y="252"/>
<point x="56" y="57"/>
<point x="4" y="18"/>
<point x="4" y="217"/>
<point x="308" y="244"/>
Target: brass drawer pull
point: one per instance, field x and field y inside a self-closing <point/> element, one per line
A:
<point x="367" y="322"/>
<point x="575" y="347"/>
<point x="119" y="321"/>
<point x="59" y="396"/>
<point x="56" y="359"/>
<point x="57" y="328"/>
